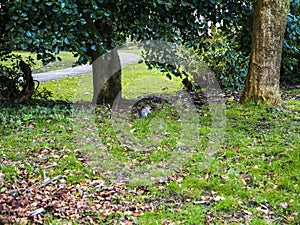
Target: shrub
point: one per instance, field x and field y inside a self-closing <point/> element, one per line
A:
<point x="229" y="64"/>
<point x="16" y="81"/>
<point x="291" y="48"/>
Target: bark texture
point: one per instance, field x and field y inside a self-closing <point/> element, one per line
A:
<point x="107" y="78"/>
<point x="29" y="88"/>
<point x="262" y="83"/>
<point x="106" y="67"/>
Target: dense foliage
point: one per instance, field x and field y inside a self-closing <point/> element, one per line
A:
<point x="229" y="64"/>
<point x="291" y="47"/>
<point x="16" y="81"/>
<point x="90" y="28"/>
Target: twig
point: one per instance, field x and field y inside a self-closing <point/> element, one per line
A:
<point x="50" y="181"/>
<point x="24" y="190"/>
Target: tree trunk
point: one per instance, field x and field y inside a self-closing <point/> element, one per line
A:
<point x="106" y="67"/>
<point x="262" y="83"/>
<point x="107" y="78"/>
<point x="29" y="88"/>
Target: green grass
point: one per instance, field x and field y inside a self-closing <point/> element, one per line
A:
<point x="136" y="81"/>
<point x="252" y="178"/>
<point x="67" y="61"/>
<point x="258" y="164"/>
<point x="131" y="49"/>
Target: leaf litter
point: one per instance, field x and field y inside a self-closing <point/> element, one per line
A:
<point x="34" y="198"/>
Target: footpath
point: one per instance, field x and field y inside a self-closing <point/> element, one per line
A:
<point x="125" y="58"/>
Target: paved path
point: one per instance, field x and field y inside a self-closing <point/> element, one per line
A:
<point x="125" y="58"/>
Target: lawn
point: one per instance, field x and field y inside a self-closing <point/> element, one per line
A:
<point x="64" y="165"/>
<point x="68" y="60"/>
<point x="137" y="81"/>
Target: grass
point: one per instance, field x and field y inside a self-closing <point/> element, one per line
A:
<point x="131" y="49"/>
<point x="67" y="61"/>
<point x="251" y="178"/>
<point x="257" y="167"/>
<point x="135" y="82"/>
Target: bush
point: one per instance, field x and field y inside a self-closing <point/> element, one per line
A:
<point x="16" y="81"/>
<point x="291" y="49"/>
<point x="229" y="64"/>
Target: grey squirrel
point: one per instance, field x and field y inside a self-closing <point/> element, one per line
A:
<point x="145" y="111"/>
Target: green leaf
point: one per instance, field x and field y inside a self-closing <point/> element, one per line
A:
<point x="66" y="40"/>
<point x="9" y="25"/>
<point x="28" y="33"/>
<point x="184" y="3"/>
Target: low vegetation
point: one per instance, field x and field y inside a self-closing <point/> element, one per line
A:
<point x="47" y="176"/>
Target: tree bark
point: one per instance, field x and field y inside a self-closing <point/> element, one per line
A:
<point x="107" y="78"/>
<point x="262" y="83"/>
<point x="106" y="67"/>
<point x="29" y="88"/>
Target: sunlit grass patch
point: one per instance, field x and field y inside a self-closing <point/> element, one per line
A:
<point x="136" y="81"/>
<point x="77" y="88"/>
<point x="67" y="60"/>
